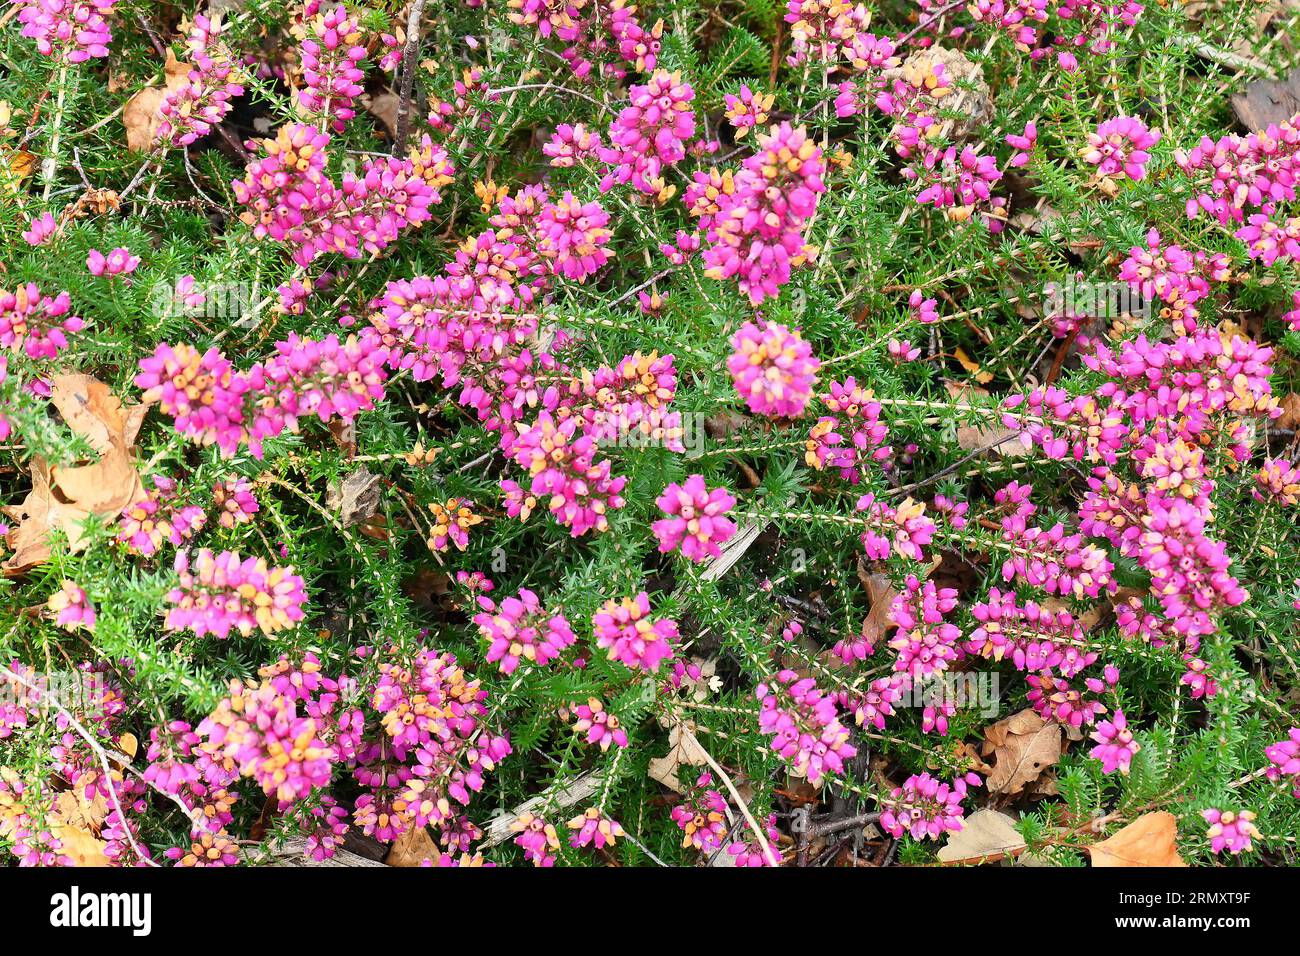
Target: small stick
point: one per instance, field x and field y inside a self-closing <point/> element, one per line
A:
<point x="408" y="76"/>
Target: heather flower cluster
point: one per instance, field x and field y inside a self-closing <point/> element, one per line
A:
<point x="632" y="637"/>
<point x="216" y="80"/>
<point x="520" y="630"/>
<point x="756" y="234"/>
<point x="696" y="524"/>
<point x="222" y="592"/>
<point x="773" y="369"/>
<point x="75" y="31"/>
<point x="215" y="404"/>
<point x="289" y="196"/>
<point x="926" y="807"/>
<point x="36" y="325"/>
<point x="803" y="722"/>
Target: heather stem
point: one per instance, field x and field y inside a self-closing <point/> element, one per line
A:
<point x="51" y="164"/>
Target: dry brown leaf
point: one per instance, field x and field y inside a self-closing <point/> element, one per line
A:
<point x="92" y="410"/>
<point x="18" y="165"/>
<point x="140" y="115"/>
<point x="1150" y="840"/>
<point x="1268" y="101"/>
<point x="355" y="498"/>
<point x="880" y="595"/>
<point x="129" y="744"/>
<point x="73" y="809"/>
<point x="1290" y="417"/>
<point x="1023" y="746"/>
<point x="983" y="833"/>
<point x="683" y="750"/>
<point x="972" y="366"/>
<point x="82" y="847"/>
<point x="411" y="847"/>
<point x="63" y="497"/>
<point x="994" y="436"/>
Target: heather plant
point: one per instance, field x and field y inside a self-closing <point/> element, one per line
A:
<point x="694" y="432"/>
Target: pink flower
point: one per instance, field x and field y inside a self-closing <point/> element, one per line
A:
<point x="1189" y="571"/>
<point x="757" y="231"/>
<point x="39" y="229"/>
<point x="925" y="807"/>
<point x="571" y="237"/>
<point x="206" y="849"/>
<point x="749" y="852"/>
<point x="537" y="838"/>
<point x="925" y="642"/>
<point x="269" y="736"/>
<point x="1291" y="317"/>
<point x="1024" y="143"/>
<point x="1278" y="481"/>
<point x="570" y="144"/>
<point x="519" y="630"/>
<point x="702" y="817"/>
<point x="649" y="134"/>
<point x="77" y="30"/>
<point x="329" y="63"/>
<point x="168" y="768"/>
<point x="747" y="109"/>
<point x="1119" y="147"/>
<point x="1285" y="759"/>
<point x="201" y="391"/>
<point x="71" y="609"/>
<point x="903" y="351"/>
<point x="1030" y="636"/>
<point x="193" y="110"/>
<point x="631" y="636"/>
<point x="851" y="436"/>
<point x="1115" y="744"/>
<point x="35" y="324"/>
<point x="804" y="725"/>
<point x="579" y="489"/>
<point x="923" y="310"/>
<point x="593" y="828"/>
<point x="290" y="197"/>
<point x="773" y="369"/>
<point x="223" y="592"/>
<point x="451" y="523"/>
<point x="144" y="526"/>
<point x="695" y="519"/>
<point x="599" y="725"/>
<point x="1230" y="831"/>
<point x="904" y="530"/>
<point x="234" y="501"/>
<point x="118" y="262"/>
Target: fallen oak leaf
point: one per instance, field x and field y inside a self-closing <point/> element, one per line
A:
<point x="78" y="845"/>
<point x="62" y="498"/>
<point x="1290" y="417"/>
<point x="683" y="750"/>
<point x="880" y="596"/>
<point x="355" y="498"/>
<point x="73" y="809"/>
<point x="1023" y="746"/>
<point x="1150" y="840"/>
<point x="984" y="833"/>
<point x="140" y="115"/>
<point x="972" y="366"/>
<point x="412" y="847"/>
<point x="92" y="410"/>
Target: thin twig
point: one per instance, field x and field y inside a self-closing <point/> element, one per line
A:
<point x="408" y="77"/>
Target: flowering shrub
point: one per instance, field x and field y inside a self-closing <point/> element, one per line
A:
<point x="666" y="433"/>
